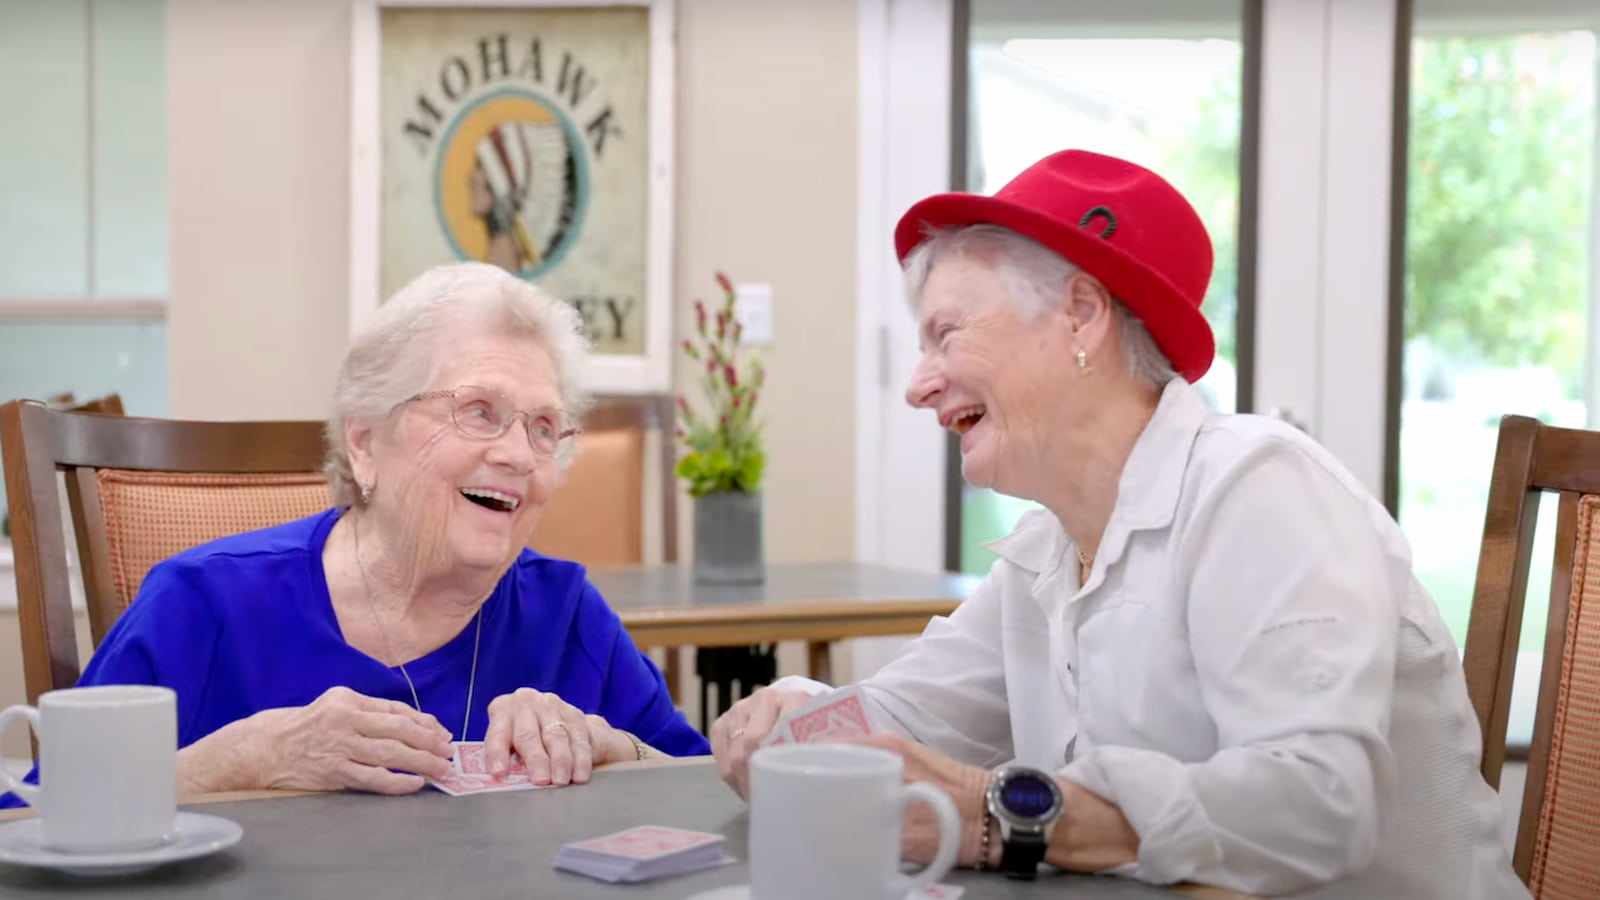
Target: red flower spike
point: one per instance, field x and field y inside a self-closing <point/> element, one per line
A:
<point x="727" y="286"/>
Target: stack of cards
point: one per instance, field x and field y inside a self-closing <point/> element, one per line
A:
<point x="642" y="853"/>
<point x="830" y="716"/>
<point x="469" y="774"/>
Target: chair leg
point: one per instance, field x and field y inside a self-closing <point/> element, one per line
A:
<point x="672" y="671"/>
<point x="820" y="660"/>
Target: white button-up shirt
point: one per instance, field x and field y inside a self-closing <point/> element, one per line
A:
<point x="1252" y="674"/>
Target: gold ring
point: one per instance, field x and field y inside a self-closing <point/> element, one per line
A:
<point x="556" y="726"/>
<point x="736" y="733"/>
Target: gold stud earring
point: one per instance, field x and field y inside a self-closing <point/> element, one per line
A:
<point x="1083" y="362"/>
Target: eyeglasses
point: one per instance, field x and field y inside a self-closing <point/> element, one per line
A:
<point x="487" y="415"/>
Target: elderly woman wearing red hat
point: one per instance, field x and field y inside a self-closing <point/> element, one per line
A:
<point x="1207" y="658"/>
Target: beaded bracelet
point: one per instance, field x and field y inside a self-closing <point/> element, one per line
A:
<point x="983" y="852"/>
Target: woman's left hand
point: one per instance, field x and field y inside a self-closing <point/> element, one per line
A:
<point x="965" y="784"/>
<point x="556" y="742"/>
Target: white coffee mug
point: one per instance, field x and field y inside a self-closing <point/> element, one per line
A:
<point x="108" y="767"/>
<point x="825" y="822"/>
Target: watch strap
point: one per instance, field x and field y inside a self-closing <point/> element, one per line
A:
<point x="1022" y="853"/>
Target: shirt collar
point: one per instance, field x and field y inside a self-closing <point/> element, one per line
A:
<point x="1147" y="492"/>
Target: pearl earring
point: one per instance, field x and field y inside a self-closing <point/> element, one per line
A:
<point x="1083" y="362"/>
<point x="366" y="492"/>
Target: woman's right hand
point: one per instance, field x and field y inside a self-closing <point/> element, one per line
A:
<point x="738" y="733"/>
<point x="342" y="740"/>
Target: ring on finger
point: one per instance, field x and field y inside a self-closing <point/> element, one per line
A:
<point x="555" y="726"/>
<point x="736" y="733"/>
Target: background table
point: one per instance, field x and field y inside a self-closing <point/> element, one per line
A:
<point x="430" y="845"/>
<point x="818" y="603"/>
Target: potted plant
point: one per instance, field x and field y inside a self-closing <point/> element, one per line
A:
<point x="723" y="458"/>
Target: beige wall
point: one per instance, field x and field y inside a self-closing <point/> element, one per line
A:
<point x="258" y="116"/>
<point x="257" y="126"/>
<point x="767" y="193"/>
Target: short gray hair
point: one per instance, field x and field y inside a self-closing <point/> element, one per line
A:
<point x="1034" y="276"/>
<point x="403" y="349"/>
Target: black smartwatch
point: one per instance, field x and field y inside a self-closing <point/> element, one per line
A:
<point x="1027" y="803"/>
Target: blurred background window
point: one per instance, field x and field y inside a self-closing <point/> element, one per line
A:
<point x="83" y="212"/>
<point x="1501" y="293"/>
<point x="1156" y="82"/>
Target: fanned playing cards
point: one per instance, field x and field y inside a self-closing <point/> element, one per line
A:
<point x="643" y="853"/>
<point x="830" y="716"/>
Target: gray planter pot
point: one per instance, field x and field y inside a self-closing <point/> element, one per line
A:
<point x="728" y="544"/>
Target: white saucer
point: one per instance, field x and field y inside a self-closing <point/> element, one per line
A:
<point x="22" y="844"/>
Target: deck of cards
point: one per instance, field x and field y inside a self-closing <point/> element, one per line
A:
<point x="469" y="774"/>
<point x="643" y="853"/>
<point x="830" y="716"/>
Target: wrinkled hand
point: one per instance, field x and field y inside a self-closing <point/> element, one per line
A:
<point x="738" y="732"/>
<point x="556" y="742"/>
<point x="343" y="740"/>
<point x="965" y="784"/>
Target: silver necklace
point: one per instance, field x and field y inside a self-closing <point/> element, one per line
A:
<point x="388" y="649"/>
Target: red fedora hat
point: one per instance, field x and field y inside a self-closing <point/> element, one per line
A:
<point x="1121" y="223"/>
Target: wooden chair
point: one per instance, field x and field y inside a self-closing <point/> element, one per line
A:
<point x="596" y="517"/>
<point x="1560" y="823"/>
<point x="139" y="490"/>
<point x="109" y="405"/>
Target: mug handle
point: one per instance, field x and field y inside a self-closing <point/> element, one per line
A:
<point x="12" y="783"/>
<point x="949" y="837"/>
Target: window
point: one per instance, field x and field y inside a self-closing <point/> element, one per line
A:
<point x="83" y="220"/>
<point x="1125" y="79"/>
<point x="1500" y="283"/>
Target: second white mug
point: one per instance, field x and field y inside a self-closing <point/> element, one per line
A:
<point x="825" y="821"/>
<point x="107" y="767"/>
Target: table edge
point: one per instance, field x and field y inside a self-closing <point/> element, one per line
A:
<point x="8" y="815"/>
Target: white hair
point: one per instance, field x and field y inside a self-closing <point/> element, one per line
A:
<point x="1035" y="278"/>
<point x="401" y="352"/>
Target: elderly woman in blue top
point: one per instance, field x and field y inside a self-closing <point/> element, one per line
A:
<point x="350" y="649"/>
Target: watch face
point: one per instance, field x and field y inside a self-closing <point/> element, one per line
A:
<point x="1027" y="796"/>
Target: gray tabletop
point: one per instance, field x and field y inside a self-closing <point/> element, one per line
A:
<point x="494" y="845"/>
<point x="671" y="586"/>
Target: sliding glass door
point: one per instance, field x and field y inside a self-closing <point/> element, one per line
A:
<point x="1158" y="83"/>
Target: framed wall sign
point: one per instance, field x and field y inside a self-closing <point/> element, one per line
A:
<point x="532" y="134"/>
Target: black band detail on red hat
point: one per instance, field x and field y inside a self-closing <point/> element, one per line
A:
<point x="1111" y="220"/>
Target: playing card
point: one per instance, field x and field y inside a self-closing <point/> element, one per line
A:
<point x="469" y="774"/>
<point x="647" y="842"/>
<point x="642" y="853"/>
<point x="472" y="759"/>
<point x="830" y="716"/>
